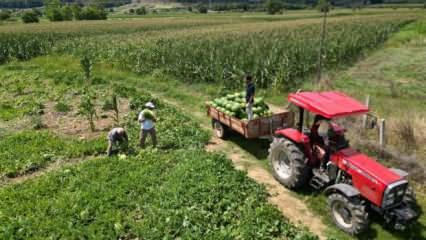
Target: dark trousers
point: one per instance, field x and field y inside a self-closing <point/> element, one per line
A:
<point x="144" y="134"/>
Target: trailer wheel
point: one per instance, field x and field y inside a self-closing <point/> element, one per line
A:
<point x="288" y="163"/>
<point x="220" y="130"/>
<point x="348" y="214"/>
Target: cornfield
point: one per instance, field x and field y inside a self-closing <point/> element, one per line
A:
<point x="278" y="54"/>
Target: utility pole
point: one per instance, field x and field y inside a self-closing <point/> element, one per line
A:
<point x="324" y="7"/>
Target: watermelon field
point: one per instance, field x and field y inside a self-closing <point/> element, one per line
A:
<point x="60" y="80"/>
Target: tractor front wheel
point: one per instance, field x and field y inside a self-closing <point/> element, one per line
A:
<point x="348" y="214"/>
<point x="288" y="163"/>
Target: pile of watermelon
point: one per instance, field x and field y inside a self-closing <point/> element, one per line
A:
<point x="235" y="106"/>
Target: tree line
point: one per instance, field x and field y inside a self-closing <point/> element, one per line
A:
<point x="41" y="3"/>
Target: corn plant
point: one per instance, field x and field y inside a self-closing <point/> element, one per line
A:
<point x="87" y="109"/>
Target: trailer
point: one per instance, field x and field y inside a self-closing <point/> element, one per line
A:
<point x="263" y="127"/>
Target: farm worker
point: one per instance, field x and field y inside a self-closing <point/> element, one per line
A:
<point x="147" y="120"/>
<point x="250" y="92"/>
<point x="322" y="131"/>
<point x="117" y="136"/>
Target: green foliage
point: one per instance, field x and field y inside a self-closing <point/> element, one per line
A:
<point x="324" y="6"/>
<point x="187" y="194"/>
<point x="93" y="13"/>
<point x="87" y="65"/>
<point x="53" y="10"/>
<point x="87" y="108"/>
<point x="62" y="106"/>
<point x="141" y="11"/>
<point x="202" y="9"/>
<point x="67" y="13"/>
<point x="76" y="11"/>
<point x="29" y="17"/>
<point x="4" y="15"/>
<point x="273" y="6"/>
<point x="30" y="150"/>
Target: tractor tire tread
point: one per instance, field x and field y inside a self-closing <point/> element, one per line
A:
<point x="300" y="172"/>
<point x="360" y="219"/>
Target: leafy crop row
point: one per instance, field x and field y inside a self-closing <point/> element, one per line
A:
<point x="276" y="57"/>
<point x="30" y="150"/>
<point x="187" y="194"/>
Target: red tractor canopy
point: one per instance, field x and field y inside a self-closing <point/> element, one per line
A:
<point x="328" y="104"/>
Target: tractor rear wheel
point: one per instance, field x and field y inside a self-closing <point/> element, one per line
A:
<point x="220" y="130"/>
<point x="348" y="214"/>
<point x="288" y="163"/>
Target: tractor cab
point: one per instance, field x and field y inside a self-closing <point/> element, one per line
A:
<point x="326" y="107"/>
<point x="316" y="152"/>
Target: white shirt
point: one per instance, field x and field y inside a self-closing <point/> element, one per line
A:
<point x="146" y="124"/>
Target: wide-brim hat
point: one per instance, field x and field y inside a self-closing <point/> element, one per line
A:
<point x="149" y="105"/>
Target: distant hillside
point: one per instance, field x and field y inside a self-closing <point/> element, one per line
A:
<point x="115" y="3"/>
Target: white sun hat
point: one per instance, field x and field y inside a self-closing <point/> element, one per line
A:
<point x="150" y="105"/>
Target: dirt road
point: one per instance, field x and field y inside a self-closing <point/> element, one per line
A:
<point x="291" y="207"/>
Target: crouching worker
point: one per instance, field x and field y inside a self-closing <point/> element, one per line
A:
<point x="117" y="137"/>
<point x="147" y="120"/>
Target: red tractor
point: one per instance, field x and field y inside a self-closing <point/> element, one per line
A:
<point x="354" y="183"/>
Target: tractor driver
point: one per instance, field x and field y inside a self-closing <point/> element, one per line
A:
<point x="322" y="131"/>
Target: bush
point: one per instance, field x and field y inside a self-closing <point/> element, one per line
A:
<point x="55" y="14"/>
<point x="93" y="13"/>
<point x="38" y="12"/>
<point x="4" y="15"/>
<point x="141" y="11"/>
<point x="67" y="13"/>
<point x="203" y="9"/>
<point x="30" y="17"/>
<point x="62" y="106"/>
<point x="76" y="11"/>
<point x="273" y="6"/>
<point x="132" y="11"/>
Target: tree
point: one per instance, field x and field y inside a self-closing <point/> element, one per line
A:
<point x="53" y="10"/>
<point x="93" y="13"/>
<point x="30" y="17"/>
<point x="4" y="15"/>
<point x="76" y="11"/>
<point x="67" y="13"/>
<point x="203" y="9"/>
<point x="273" y="6"/>
<point x="141" y="11"/>
<point x="323" y="6"/>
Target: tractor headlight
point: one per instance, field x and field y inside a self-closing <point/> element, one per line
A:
<point x="394" y="193"/>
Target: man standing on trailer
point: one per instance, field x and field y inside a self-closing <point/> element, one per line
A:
<point x="250" y="92"/>
<point x="147" y="120"/>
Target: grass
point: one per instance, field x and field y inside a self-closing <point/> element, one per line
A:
<point x="177" y="190"/>
<point x="28" y="151"/>
<point x="148" y="194"/>
<point x="181" y="194"/>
